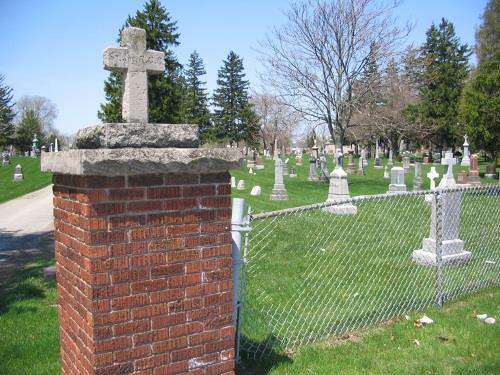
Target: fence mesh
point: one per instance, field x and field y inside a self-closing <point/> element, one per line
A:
<point x="312" y="273"/>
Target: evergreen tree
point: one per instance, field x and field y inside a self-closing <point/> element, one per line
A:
<point x="6" y="114"/>
<point x="233" y="114"/>
<point x="29" y="125"/>
<point x="164" y="90"/>
<point x="480" y="107"/>
<point x="488" y="34"/>
<point x="195" y="106"/>
<point x="443" y="79"/>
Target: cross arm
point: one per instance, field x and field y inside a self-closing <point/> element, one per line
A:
<point x="115" y="58"/>
<point x="155" y="62"/>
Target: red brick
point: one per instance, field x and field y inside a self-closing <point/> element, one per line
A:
<point x="168" y="270"/>
<point x="220" y="368"/>
<point x="181" y="179"/>
<point x="119" y="369"/>
<point x="145" y="180"/>
<point x="167" y="295"/>
<point x="145" y="233"/>
<point x="129" y="301"/>
<point x="169" y="345"/>
<point x="127" y="355"/>
<point x="128" y="248"/>
<point x="127" y="221"/>
<point x="143" y="206"/>
<point x="112" y="344"/>
<point x="182" y="354"/>
<point x="172" y="369"/>
<point x="198" y="190"/>
<point x="165" y="321"/>
<point x="184" y="330"/>
<point x="166" y="245"/>
<point x="121" y="276"/>
<point x="164" y="192"/>
<point x="131" y="327"/>
<point x="203" y="337"/>
<point x="180" y="204"/>
<point x="216" y="202"/>
<point x="183" y="255"/>
<point x="182" y="230"/>
<point x="126" y="194"/>
<point x="224" y="189"/>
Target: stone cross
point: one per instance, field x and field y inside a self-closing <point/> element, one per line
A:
<point x="448" y="179"/>
<point x="135" y="62"/>
<point x="432" y="175"/>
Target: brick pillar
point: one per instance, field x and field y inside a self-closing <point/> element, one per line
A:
<point x="144" y="273"/>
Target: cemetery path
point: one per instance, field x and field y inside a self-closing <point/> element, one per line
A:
<point x="26" y="229"/>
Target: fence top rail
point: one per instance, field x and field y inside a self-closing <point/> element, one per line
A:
<point x="361" y="198"/>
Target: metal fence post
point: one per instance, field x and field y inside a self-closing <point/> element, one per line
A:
<point x="238" y="225"/>
<point x="439" y="248"/>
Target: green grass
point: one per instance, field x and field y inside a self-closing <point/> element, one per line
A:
<point x="302" y="192"/>
<point x="456" y="343"/>
<point x="29" y="328"/>
<point x="34" y="179"/>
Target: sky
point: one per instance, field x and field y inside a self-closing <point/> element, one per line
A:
<point x="53" y="48"/>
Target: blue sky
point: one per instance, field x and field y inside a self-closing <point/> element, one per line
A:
<point x="53" y="48"/>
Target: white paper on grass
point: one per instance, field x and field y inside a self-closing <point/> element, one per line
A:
<point x="426" y="320"/>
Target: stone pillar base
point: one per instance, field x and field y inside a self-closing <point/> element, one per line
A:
<point x="342" y="209"/>
<point x="426" y="258"/>
<point x="395" y="188"/>
<point x="279" y="195"/>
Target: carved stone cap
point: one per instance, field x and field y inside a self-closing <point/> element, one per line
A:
<point x="135" y="161"/>
<point x="136" y="135"/>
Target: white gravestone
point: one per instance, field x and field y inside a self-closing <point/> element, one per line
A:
<point x="466" y="156"/>
<point x="285" y="167"/>
<point x="363" y="156"/>
<point x="241" y="185"/>
<point x="34" y="147"/>
<point x="406" y="163"/>
<point x="293" y="172"/>
<point x="390" y="162"/>
<point x="250" y="171"/>
<point x="386" y="173"/>
<point x="432" y="175"/>
<point x="323" y="168"/>
<point x="397" y="180"/>
<point x="417" y="179"/>
<point x="339" y="191"/>
<point x="256" y="191"/>
<point x="448" y="180"/>
<point x="56" y="147"/>
<point x="313" y="173"/>
<point x="18" y="173"/>
<point x="279" y="190"/>
<point x="377" y="157"/>
<point x="361" y="168"/>
<point x="135" y="62"/>
<point x="233" y="181"/>
<point x="452" y="249"/>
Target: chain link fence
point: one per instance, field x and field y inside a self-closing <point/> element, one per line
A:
<point x="323" y="270"/>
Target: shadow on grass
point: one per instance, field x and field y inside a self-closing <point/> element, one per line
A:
<point x="26" y="284"/>
<point x="261" y="366"/>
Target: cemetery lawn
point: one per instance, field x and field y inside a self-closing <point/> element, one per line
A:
<point x="34" y="179"/>
<point x="457" y="343"/>
<point x="29" y="328"/>
<point x="302" y="192"/>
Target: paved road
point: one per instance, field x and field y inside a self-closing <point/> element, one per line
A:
<point x="26" y="227"/>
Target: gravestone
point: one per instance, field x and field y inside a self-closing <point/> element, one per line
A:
<point x="298" y="159"/>
<point x="491" y="171"/>
<point x="432" y="175"/>
<point x="51" y="147"/>
<point x="27" y="153"/>
<point x="293" y="172"/>
<point x="147" y="210"/>
<point x="461" y="178"/>
<point x="233" y="181"/>
<point x="417" y="179"/>
<point x="361" y="168"/>
<point x="437" y="158"/>
<point x="241" y="185"/>
<point x="378" y="165"/>
<point x="315" y="152"/>
<point x="390" y="163"/>
<point x="43" y="148"/>
<point x="350" y="163"/>
<point x="5" y="158"/>
<point x="406" y="164"/>
<point x="323" y="168"/>
<point x="285" y="167"/>
<point x="18" y="173"/>
<point x="56" y="147"/>
<point x="275" y="155"/>
<point x="474" y="170"/>
<point x="259" y="164"/>
<point x="386" y="173"/>
<point x="250" y="171"/>
<point x="279" y="190"/>
<point x="313" y="172"/>
<point x="452" y="248"/>
<point x="448" y="180"/>
<point x="256" y="191"/>
<point x="339" y="191"/>
<point x="363" y="157"/>
<point x="465" y="157"/>
<point x="397" y="180"/>
<point x="252" y="162"/>
<point x="34" y="147"/>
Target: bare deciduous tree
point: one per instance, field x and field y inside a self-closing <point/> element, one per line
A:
<point x="42" y="108"/>
<point x="277" y="120"/>
<point x="316" y="58"/>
